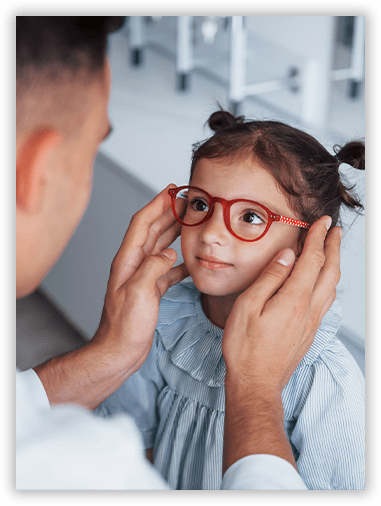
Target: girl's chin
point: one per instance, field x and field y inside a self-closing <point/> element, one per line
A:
<point x="215" y="290"/>
<point x="218" y="287"/>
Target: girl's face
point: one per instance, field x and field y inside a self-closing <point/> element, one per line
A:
<point x="219" y="263"/>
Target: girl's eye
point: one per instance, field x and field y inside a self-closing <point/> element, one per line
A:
<point x="252" y="218"/>
<point x="198" y="204"/>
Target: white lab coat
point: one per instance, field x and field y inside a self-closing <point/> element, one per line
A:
<point x="68" y="448"/>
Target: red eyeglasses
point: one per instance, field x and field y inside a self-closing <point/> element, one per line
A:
<point x="245" y="219"/>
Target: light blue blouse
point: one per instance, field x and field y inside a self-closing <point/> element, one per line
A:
<point x="177" y="399"/>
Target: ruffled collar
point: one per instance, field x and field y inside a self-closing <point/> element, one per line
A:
<point x="194" y="343"/>
<point x="191" y="338"/>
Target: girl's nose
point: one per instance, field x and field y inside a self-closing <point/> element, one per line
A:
<point x="214" y="231"/>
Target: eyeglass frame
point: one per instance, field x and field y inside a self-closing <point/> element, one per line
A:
<point x="226" y="204"/>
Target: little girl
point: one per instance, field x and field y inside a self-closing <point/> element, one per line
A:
<point x="254" y="189"/>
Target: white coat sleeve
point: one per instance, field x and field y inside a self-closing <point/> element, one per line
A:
<point x="262" y="472"/>
<point x="69" y="448"/>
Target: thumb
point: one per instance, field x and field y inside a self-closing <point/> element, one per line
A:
<point x="272" y="278"/>
<point x="170" y="254"/>
<point x="154" y="267"/>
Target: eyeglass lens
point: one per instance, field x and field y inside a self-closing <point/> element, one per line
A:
<point x="247" y="220"/>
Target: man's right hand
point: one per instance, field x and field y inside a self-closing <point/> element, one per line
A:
<point x="141" y="273"/>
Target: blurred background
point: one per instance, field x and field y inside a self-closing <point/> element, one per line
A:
<point x="168" y="75"/>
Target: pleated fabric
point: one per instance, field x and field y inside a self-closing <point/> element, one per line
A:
<point x="177" y="400"/>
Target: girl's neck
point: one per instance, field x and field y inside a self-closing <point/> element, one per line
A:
<point x="217" y="309"/>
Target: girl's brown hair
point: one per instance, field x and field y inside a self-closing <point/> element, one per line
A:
<point x="306" y="172"/>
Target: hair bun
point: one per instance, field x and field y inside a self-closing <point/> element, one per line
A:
<point x="221" y="120"/>
<point x="352" y="153"/>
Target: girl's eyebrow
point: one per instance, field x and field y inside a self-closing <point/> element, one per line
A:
<point x="273" y="207"/>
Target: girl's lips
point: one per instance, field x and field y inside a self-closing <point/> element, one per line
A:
<point x="212" y="263"/>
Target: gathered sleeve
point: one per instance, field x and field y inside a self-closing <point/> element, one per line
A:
<point x="327" y="430"/>
<point x="138" y="397"/>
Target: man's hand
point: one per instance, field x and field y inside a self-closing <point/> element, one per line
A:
<point x="270" y="329"/>
<point x="141" y="273"/>
<point x="273" y="323"/>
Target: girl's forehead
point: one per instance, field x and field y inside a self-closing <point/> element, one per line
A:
<point x="247" y="179"/>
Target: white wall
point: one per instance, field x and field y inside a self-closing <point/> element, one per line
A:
<point x="298" y="39"/>
<point x="308" y="36"/>
<point x="154" y="128"/>
<point x="351" y="288"/>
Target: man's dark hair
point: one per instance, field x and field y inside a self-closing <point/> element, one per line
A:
<point x="57" y="57"/>
<point x="70" y="42"/>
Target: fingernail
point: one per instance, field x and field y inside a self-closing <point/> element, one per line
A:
<point x="328" y="222"/>
<point x="169" y="253"/>
<point x="285" y="257"/>
<point x="341" y="233"/>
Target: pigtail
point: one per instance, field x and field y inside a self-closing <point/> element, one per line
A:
<point x="305" y="171"/>
<point x="223" y="120"/>
<point x="353" y="154"/>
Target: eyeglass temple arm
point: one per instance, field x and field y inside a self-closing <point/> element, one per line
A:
<point x="290" y="221"/>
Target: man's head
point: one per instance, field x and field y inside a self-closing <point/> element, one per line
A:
<point x="63" y="86"/>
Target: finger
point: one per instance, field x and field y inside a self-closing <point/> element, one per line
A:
<point x="311" y="261"/>
<point x="329" y="276"/>
<point x="271" y="279"/>
<point x="174" y="276"/>
<point x="131" y="252"/>
<point x="165" y="227"/>
<point x="316" y="316"/>
<point x="152" y="269"/>
<point x="141" y="223"/>
<point x="328" y="303"/>
<point x="167" y="238"/>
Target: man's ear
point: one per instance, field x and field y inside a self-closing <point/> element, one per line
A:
<point x="31" y="164"/>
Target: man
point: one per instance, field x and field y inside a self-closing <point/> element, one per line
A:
<point x="63" y="85"/>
